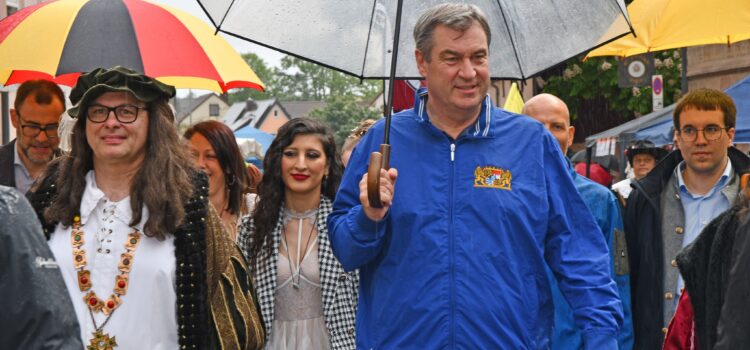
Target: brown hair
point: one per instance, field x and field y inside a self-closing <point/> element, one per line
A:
<point x="222" y="140"/>
<point x="707" y="100"/>
<point x="43" y="91"/>
<point x="162" y="183"/>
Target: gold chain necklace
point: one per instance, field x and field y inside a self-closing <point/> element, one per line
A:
<point x="101" y="340"/>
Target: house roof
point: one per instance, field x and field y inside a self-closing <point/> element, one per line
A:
<point x="241" y="114"/>
<point x="185" y="106"/>
<point x="297" y="109"/>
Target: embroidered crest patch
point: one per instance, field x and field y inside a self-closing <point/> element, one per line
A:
<point x="492" y="177"/>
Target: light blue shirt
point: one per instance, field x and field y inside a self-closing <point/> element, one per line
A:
<point x="23" y="179"/>
<point x="700" y="210"/>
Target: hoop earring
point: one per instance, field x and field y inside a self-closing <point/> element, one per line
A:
<point x="232" y="179"/>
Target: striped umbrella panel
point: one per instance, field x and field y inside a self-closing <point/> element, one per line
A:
<point x="61" y="39"/>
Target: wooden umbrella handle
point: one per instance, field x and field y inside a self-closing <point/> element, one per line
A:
<point x="378" y="160"/>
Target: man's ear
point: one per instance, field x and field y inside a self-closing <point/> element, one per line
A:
<point x="14" y="118"/>
<point x="572" y="132"/>
<point x="421" y="62"/>
<point x="730" y="133"/>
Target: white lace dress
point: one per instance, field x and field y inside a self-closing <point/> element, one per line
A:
<point x="299" y="322"/>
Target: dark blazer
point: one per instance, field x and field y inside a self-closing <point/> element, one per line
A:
<point x="7" y="170"/>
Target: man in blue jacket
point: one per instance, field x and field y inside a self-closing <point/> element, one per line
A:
<point x="553" y="113"/>
<point x="456" y="255"/>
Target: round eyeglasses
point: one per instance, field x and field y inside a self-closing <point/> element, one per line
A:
<point x="710" y="133"/>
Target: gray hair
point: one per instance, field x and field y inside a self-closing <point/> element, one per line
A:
<point x="458" y="17"/>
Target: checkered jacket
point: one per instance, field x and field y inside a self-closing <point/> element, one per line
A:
<point x="339" y="288"/>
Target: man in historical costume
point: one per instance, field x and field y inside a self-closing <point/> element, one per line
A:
<point x="669" y="207"/>
<point x="456" y="256"/>
<point x="642" y="157"/>
<point x="141" y="251"/>
<point x="553" y="113"/>
<point x="37" y="312"/>
<point x="36" y="115"/>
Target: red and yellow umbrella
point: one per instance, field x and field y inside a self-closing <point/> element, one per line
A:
<point x="59" y="40"/>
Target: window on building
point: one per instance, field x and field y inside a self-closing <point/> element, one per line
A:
<point x="213" y="110"/>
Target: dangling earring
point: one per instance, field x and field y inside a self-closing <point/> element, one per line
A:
<point x="231" y="179"/>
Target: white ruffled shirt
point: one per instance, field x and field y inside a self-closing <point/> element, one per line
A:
<point x="147" y="317"/>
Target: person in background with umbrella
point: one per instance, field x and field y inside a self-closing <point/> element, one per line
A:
<point x="36" y="115"/>
<point x="307" y="299"/>
<point x="142" y="253"/>
<point x="553" y="113"/>
<point x="642" y="156"/>
<point x="670" y="207"/>
<point x="456" y="257"/>
<point x="216" y="153"/>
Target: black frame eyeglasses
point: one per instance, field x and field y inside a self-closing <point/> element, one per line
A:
<point x="125" y="114"/>
<point x="710" y="133"/>
<point x="33" y="130"/>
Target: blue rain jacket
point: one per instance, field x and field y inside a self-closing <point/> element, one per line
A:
<point x="460" y="259"/>
<point x="603" y="205"/>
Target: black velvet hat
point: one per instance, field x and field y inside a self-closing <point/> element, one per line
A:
<point x="118" y="79"/>
<point x="645" y="147"/>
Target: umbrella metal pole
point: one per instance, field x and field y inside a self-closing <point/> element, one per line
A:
<point x="381" y="160"/>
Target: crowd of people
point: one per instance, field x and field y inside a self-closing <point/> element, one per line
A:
<point x="485" y="236"/>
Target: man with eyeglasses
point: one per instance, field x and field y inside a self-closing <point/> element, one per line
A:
<point x="669" y="207"/>
<point x="38" y="107"/>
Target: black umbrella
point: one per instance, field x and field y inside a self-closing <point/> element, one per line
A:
<point x="608" y="162"/>
<point x="363" y="38"/>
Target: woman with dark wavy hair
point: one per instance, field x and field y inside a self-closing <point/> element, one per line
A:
<point x="306" y="298"/>
<point x="216" y="153"/>
<point x="141" y="252"/>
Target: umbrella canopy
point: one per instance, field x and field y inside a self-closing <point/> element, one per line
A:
<point x="668" y="24"/>
<point x="608" y="162"/>
<point x="357" y="36"/>
<point x="59" y="40"/>
<point x="262" y="137"/>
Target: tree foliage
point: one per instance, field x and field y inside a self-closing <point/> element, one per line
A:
<point x="265" y="74"/>
<point x="343" y="113"/>
<point x="597" y="77"/>
<point x="300" y="80"/>
<point x="595" y="100"/>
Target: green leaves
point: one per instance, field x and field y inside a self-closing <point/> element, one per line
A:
<point x="343" y="113"/>
<point x="596" y="78"/>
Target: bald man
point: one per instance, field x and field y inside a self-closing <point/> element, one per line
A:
<point x="553" y="113"/>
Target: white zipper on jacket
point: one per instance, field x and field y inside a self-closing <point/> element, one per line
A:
<point x="453" y="151"/>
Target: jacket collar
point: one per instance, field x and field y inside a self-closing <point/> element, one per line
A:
<point x="481" y="128"/>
